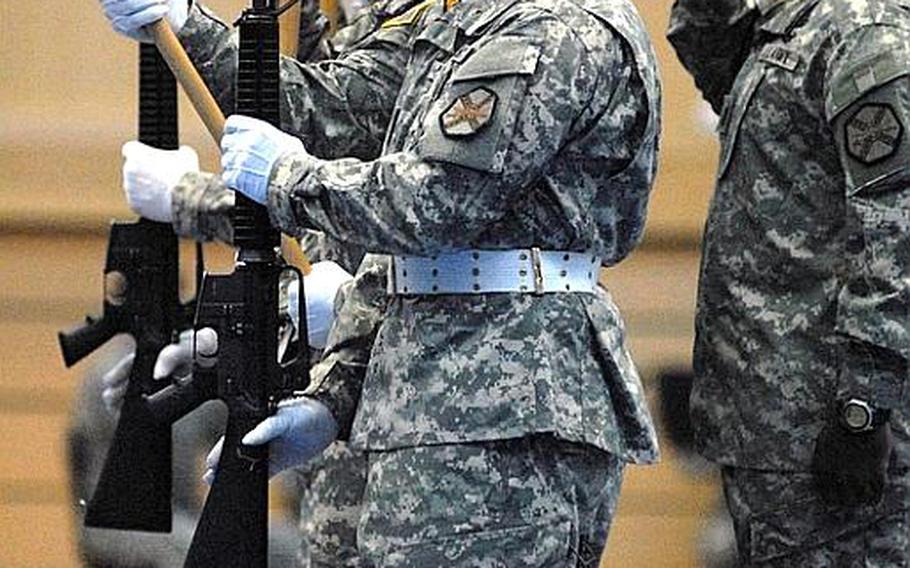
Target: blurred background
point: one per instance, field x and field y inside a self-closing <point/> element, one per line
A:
<point x="67" y="104"/>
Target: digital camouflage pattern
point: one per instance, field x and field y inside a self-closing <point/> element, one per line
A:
<point x="556" y="513"/>
<point x="201" y="208"/>
<point x="312" y="107"/>
<point x="570" y="134"/>
<point x="330" y="506"/>
<point x="319" y="247"/>
<point x="781" y="522"/>
<point x="804" y="289"/>
<point x="201" y="204"/>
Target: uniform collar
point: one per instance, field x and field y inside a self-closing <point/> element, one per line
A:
<point x="461" y="16"/>
<point x="780" y="17"/>
<point x="472" y="15"/>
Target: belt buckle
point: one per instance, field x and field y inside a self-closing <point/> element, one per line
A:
<point x="538" y="271"/>
<point x="392" y="281"/>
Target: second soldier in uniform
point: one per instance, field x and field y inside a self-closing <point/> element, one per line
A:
<point x="803" y="324"/>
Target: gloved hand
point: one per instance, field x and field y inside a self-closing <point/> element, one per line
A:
<point x="850" y="468"/>
<point x="150" y="175"/>
<point x="321" y="286"/>
<point x="249" y="149"/>
<point x="114" y="383"/>
<point x="129" y="17"/>
<point x="298" y="431"/>
<point x="174" y="361"/>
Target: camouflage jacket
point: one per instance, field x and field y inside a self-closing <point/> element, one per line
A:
<point x="804" y="286"/>
<point x="564" y="159"/>
<point x="566" y="162"/>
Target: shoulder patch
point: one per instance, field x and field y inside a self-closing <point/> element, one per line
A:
<point x="469" y="113"/>
<point x="873" y="133"/>
<point x="408" y="18"/>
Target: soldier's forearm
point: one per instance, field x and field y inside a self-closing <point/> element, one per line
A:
<point x="337" y="380"/>
<point x="338" y="384"/>
<point x="201" y="207"/>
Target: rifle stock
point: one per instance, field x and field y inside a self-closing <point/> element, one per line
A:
<point x="134" y="489"/>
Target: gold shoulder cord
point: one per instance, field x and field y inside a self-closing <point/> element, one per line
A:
<point x="409" y="17"/>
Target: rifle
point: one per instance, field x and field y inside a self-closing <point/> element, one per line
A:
<point x="242" y="309"/>
<point x="141" y="298"/>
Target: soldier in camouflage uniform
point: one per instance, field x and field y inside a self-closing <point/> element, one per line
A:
<point x="497" y="421"/>
<point x="463" y="391"/>
<point x="803" y="322"/>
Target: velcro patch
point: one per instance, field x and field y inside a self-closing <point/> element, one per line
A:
<point x="780" y="57"/>
<point x="873" y="133"/>
<point x="469" y="114"/>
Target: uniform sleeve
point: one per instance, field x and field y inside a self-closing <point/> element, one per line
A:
<point x="712" y="40"/>
<point x="868" y="108"/>
<point x="312" y="34"/>
<point x="201" y="207"/>
<point x="337" y="380"/>
<point x="318" y="247"/>
<point x="491" y="130"/>
<point x="339" y="107"/>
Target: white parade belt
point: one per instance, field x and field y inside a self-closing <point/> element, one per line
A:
<point x="522" y="271"/>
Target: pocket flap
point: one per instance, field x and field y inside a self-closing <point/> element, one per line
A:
<point x="866" y="76"/>
<point x="505" y="56"/>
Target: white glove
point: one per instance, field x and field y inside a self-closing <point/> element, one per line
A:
<point x="176" y="359"/>
<point x="298" y="431"/>
<point x="114" y="383"/>
<point x="321" y="286"/>
<point x="150" y="175"/>
<point x="129" y="17"/>
<point x="249" y="149"/>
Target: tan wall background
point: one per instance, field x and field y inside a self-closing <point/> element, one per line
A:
<point x="67" y="103"/>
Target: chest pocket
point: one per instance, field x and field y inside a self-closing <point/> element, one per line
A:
<point x="471" y="121"/>
<point x="735" y="107"/>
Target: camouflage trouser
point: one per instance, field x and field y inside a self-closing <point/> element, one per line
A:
<point x="535" y="501"/>
<point x="780" y="521"/>
<point x="332" y="489"/>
